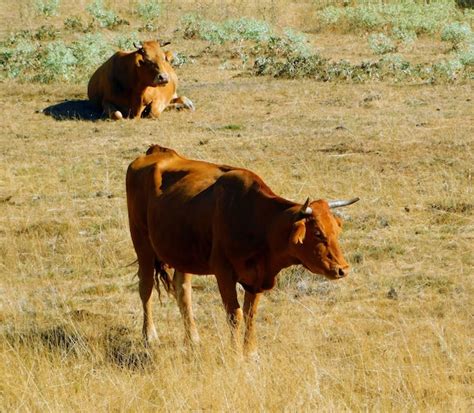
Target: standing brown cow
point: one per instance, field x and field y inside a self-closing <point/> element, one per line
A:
<point x="202" y="218"/>
<point x="128" y="83"/>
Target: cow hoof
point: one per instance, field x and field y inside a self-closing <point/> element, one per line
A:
<point x="117" y="115"/>
<point x="188" y="104"/>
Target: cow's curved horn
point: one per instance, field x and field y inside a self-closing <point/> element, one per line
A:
<point x="305" y="209"/>
<point x="138" y="46"/>
<point x="342" y="203"/>
<point x="163" y="44"/>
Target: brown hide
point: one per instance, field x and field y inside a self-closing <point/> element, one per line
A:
<point x="130" y="82"/>
<point x="204" y="218"/>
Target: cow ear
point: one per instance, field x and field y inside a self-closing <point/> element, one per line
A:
<point x="169" y="56"/>
<point x="298" y="232"/>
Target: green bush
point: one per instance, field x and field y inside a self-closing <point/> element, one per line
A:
<point x="230" y="30"/>
<point x="125" y="42"/>
<point x="57" y="61"/>
<point x="47" y="8"/>
<point x="407" y="37"/>
<point x="246" y="29"/>
<point x="149" y="10"/>
<point x="406" y="15"/>
<point x="105" y="18"/>
<point x="381" y="44"/>
<point x="90" y="51"/>
<point x="456" y="33"/>
<point x="26" y="60"/>
<point x="18" y="60"/>
<point x="466" y="57"/>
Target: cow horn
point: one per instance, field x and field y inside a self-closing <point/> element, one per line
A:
<point x="163" y="44"/>
<point x="342" y="203"/>
<point x="137" y="45"/>
<point x="305" y="209"/>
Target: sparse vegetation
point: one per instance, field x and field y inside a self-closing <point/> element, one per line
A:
<point x="47" y="8"/>
<point x="456" y="34"/>
<point x="105" y="17"/>
<point x="381" y="44"/>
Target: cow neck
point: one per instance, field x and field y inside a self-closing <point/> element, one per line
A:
<point x="278" y="234"/>
<point x="127" y="76"/>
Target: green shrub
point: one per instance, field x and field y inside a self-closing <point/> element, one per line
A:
<point x="105" y="18"/>
<point x="381" y="44"/>
<point x="149" y="10"/>
<point x="75" y="24"/>
<point x="125" y="42"/>
<point x="18" y="60"/>
<point x="90" y="51"/>
<point x="47" y="8"/>
<point x="27" y="61"/>
<point x="406" y="15"/>
<point x="196" y="27"/>
<point x="57" y="61"/>
<point x="456" y="33"/>
<point x="230" y="30"/>
<point x="246" y="29"/>
<point x="407" y="37"/>
<point x="466" y="57"/>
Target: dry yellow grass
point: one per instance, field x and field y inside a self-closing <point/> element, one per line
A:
<point x="395" y="336"/>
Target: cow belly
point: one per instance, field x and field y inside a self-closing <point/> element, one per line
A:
<point x="182" y="251"/>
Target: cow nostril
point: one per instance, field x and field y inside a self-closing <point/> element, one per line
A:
<point x="162" y="77"/>
<point x="342" y="272"/>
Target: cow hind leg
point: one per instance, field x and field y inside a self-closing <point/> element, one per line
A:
<point x="183" y="289"/>
<point x="145" y="286"/>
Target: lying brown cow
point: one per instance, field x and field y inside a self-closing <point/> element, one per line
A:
<point x="202" y="218"/>
<point x="129" y="83"/>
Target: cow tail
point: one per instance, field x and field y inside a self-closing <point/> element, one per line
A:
<point x="162" y="275"/>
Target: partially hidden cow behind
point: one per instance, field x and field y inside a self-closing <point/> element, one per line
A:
<point x="130" y="84"/>
<point x="202" y="218"/>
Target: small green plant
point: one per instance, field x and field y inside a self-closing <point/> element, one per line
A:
<point x="105" y="18"/>
<point x="456" y="33"/>
<point x="247" y="29"/>
<point x="148" y="10"/>
<point x="47" y="8"/>
<point x="76" y="24"/>
<point x="381" y="44"/>
<point x="58" y="60"/>
<point x="407" y="15"/>
<point x="466" y="57"/>
<point x="230" y="30"/>
<point x="126" y="41"/>
<point x="90" y="51"/>
<point x="407" y="37"/>
<point x="196" y="27"/>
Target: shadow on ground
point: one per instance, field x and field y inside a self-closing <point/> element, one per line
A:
<point x="73" y="110"/>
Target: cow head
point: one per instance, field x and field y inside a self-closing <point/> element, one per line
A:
<point x="314" y="238"/>
<point x="154" y="65"/>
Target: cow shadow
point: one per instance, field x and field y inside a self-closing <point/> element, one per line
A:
<point x="74" y="110"/>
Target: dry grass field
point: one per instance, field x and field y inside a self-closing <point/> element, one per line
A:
<point x="396" y="335"/>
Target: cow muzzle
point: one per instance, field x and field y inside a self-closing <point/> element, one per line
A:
<point x="161" y="79"/>
<point x="340" y="272"/>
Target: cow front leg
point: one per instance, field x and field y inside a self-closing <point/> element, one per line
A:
<point x="111" y="111"/>
<point x="183" y="288"/>
<point x="227" y="288"/>
<point x="250" y="311"/>
<point x="181" y="102"/>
